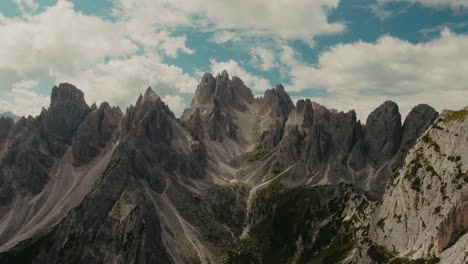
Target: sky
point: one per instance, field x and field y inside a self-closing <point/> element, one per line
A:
<point x="344" y="54"/>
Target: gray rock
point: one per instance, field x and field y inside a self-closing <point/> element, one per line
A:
<point x="383" y="133"/>
<point x="95" y="132"/>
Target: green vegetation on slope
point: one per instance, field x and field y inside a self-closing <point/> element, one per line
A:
<point x="304" y="225"/>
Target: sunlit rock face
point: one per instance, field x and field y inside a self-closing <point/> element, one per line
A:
<point x="425" y="207"/>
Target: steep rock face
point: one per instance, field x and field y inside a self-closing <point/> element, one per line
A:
<point x="66" y="112"/>
<point x="425" y="207"/>
<point x="418" y="120"/>
<point x="37" y="142"/>
<point x="334" y="147"/>
<point x="383" y="133"/>
<point x="6" y="126"/>
<point x="275" y="106"/>
<point x="211" y="106"/>
<point x="320" y="140"/>
<point x="95" y="132"/>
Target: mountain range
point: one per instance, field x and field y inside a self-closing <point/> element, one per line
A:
<point x="235" y="179"/>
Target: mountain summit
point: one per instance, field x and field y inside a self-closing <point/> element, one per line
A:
<point x="236" y="179"/>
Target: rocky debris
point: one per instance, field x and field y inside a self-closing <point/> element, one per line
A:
<point x="95" y="132"/>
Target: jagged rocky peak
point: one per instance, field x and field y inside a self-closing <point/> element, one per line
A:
<point x="214" y="108"/>
<point x="221" y="92"/>
<point x="416" y="122"/>
<point x="67" y="109"/>
<point x="302" y="115"/>
<point x="275" y="106"/>
<point x="277" y="101"/>
<point x="383" y="132"/>
<point x="95" y="132"/>
<point x="66" y="92"/>
<point x="150" y="118"/>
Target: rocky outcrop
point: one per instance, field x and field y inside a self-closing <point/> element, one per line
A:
<point x="95" y="132"/>
<point x="275" y="106"/>
<point x="424" y="209"/>
<point x="333" y="147"/>
<point x="67" y="110"/>
<point x="213" y="104"/>
<point x="382" y="133"/>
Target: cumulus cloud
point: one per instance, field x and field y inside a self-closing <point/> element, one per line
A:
<point x="254" y="82"/>
<point x="288" y="19"/>
<point x="22" y="101"/>
<point x="364" y="74"/>
<point x="119" y="81"/>
<point x="221" y="37"/>
<point x="264" y="58"/>
<point x="61" y="44"/>
<point x="27" y="6"/>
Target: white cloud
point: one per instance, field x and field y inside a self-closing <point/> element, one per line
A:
<point x="27" y="6"/>
<point x="364" y="74"/>
<point x="264" y="58"/>
<point x="221" y="37"/>
<point x="121" y="80"/>
<point x="176" y="102"/>
<point x="22" y="101"/>
<point x="254" y="82"/>
<point x="57" y="41"/>
<point x="61" y="44"/>
<point x="287" y="19"/>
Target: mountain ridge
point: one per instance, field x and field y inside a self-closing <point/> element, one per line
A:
<point x="199" y="187"/>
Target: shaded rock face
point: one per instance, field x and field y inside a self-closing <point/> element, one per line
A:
<point x="66" y="112"/>
<point x="6" y="126"/>
<point x="383" y="133"/>
<point x="119" y="221"/>
<point x="36" y="143"/>
<point x="95" y="132"/>
<point x="277" y="105"/>
<point x="334" y="147"/>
